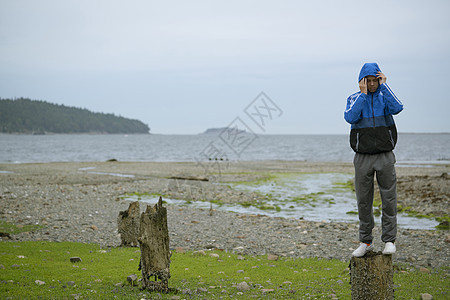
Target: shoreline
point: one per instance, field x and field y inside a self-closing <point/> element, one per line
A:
<point x="75" y="202"/>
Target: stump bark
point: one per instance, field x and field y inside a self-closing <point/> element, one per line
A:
<point x="128" y="225"/>
<point x="154" y="243"/>
<point x="372" y="276"/>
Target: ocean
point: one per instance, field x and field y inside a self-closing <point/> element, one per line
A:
<point x="410" y="149"/>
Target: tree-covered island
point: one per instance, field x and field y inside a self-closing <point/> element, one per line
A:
<point x="39" y="117"/>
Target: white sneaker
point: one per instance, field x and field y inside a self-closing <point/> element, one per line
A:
<point x="389" y="248"/>
<point x="362" y="249"/>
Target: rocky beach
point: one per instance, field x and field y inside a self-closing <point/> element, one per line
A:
<point x="80" y="202"/>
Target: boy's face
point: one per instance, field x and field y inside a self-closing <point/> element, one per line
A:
<point x="372" y="83"/>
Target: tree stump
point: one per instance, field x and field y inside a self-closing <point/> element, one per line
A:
<point x="128" y="225"/>
<point x="372" y="276"/>
<point x="154" y="243"/>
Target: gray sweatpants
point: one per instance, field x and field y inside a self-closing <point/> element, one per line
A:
<point x="366" y="166"/>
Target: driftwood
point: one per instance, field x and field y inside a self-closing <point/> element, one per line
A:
<point x="154" y="243"/>
<point x="372" y="276"/>
<point x="128" y="225"/>
<point x="193" y="178"/>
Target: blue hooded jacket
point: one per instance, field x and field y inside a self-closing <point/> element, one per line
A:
<point x="373" y="129"/>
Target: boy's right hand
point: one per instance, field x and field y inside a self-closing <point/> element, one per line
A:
<point x="363" y="85"/>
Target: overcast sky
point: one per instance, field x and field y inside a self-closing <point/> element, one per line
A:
<point x="185" y="66"/>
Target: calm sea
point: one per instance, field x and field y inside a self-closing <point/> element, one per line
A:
<point x="411" y="148"/>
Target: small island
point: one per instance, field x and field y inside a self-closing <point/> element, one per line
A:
<point x="25" y="116"/>
<point x="221" y="129"/>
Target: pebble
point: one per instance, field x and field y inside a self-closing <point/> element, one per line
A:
<point x="272" y="257"/>
<point x="426" y="296"/>
<point x="39" y="282"/>
<point x="180" y="250"/>
<point x="132" y="278"/>
<point x="75" y="259"/>
<point x="243" y="286"/>
<point x="199" y="252"/>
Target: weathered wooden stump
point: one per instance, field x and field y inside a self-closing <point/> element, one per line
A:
<point x="154" y="243"/>
<point x="128" y="225"/>
<point x="372" y="276"/>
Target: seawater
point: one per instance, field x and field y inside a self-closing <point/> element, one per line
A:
<point x="411" y="148"/>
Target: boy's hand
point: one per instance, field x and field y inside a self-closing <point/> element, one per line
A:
<point x="363" y="85"/>
<point x="382" y="78"/>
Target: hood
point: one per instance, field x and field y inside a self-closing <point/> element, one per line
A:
<point x="369" y="69"/>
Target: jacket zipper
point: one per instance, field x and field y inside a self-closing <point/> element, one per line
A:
<point x="373" y="119"/>
<point x="373" y="113"/>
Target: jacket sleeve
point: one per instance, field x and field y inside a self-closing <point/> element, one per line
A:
<point x="393" y="105"/>
<point x="353" y="111"/>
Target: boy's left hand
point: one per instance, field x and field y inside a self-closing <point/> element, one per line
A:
<point x="381" y="77"/>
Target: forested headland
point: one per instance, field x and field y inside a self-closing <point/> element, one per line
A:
<point x="40" y="117"/>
